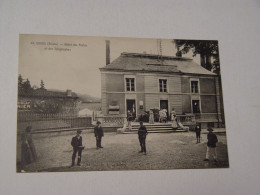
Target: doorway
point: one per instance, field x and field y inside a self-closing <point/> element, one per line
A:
<point x="164" y="105"/>
<point x="196" y="106"/>
<point x="131" y="106"/>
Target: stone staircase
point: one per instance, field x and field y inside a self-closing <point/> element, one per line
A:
<point x="155" y="128"/>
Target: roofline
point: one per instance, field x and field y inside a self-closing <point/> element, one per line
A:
<point x="155" y="56"/>
<point x="161" y="72"/>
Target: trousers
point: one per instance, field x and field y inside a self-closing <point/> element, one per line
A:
<point x="142" y="144"/>
<point x="75" y="151"/>
<point x="211" y="151"/>
<point x="98" y="141"/>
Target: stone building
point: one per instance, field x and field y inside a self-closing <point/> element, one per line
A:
<point x="140" y="82"/>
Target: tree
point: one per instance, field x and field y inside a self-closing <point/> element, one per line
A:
<point x="208" y="50"/>
<point x="42" y="85"/>
<point x="27" y="87"/>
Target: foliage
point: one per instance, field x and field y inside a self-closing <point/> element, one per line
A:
<point x="207" y="49"/>
<point x="42" y="85"/>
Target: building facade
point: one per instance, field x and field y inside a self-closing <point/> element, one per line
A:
<point x="140" y="82"/>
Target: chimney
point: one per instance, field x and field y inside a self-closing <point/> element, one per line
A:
<point x="107" y="52"/>
<point x="68" y="93"/>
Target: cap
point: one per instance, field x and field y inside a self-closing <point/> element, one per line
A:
<point x="79" y="131"/>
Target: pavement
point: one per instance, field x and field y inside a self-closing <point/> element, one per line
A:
<point x="120" y="152"/>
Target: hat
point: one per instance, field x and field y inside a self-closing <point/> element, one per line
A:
<point x="210" y="129"/>
<point x="28" y="129"/>
<point x="98" y="122"/>
<point x="79" y="131"/>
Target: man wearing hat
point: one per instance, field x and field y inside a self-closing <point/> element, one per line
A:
<point x="76" y="143"/>
<point x="211" y="145"/>
<point x="98" y="131"/>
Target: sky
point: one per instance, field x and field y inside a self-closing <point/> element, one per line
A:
<point x="73" y="62"/>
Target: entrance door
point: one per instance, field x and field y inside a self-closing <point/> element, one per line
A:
<point x="164" y="105"/>
<point x="196" y="106"/>
<point x="130" y="105"/>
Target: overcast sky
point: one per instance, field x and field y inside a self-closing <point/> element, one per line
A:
<point x="78" y="69"/>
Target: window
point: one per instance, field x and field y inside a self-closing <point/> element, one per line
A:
<point x="194" y="87"/>
<point x="130" y="84"/>
<point x="163" y="85"/>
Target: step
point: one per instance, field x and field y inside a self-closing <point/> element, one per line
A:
<point x="161" y="131"/>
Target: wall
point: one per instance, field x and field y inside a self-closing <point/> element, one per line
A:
<point x="207" y="86"/>
<point x="115" y="82"/>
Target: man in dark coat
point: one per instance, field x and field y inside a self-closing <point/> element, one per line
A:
<point x="76" y="143"/>
<point x="142" y="132"/>
<point x="211" y="145"/>
<point x="198" y="130"/>
<point x="98" y="131"/>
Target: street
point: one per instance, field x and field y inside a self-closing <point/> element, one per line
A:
<point x="120" y="152"/>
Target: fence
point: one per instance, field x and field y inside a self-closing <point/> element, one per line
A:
<point x="112" y="120"/>
<point x="51" y="121"/>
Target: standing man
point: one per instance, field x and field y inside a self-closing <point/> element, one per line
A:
<point x="211" y="145"/>
<point x="142" y="132"/>
<point x="76" y="143"/>
<point x="98" y="131"/>
<point x="198" y="130"/>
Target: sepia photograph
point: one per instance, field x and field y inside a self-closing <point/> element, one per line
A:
<point x="89" y="103"/>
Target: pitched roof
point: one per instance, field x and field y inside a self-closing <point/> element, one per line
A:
<point x="155" y="63"/>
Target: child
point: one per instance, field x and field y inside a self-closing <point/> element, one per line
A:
<point x="198" y="130"/>
<point x="142" y="132"/>
<point x="98" y="130"/>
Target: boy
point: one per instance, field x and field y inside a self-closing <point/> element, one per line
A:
<point x="211" y="145"/>
<point x="98" y="131"/>
<point x="198" y="130"/>
<point x="142" y="132"/>
<point x="76" y="143"/>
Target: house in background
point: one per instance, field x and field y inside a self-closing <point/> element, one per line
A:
<point x="140" y="82"/>
<point x="42" y="101"/>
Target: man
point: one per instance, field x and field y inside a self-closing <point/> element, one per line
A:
<point x="211" y="145"/>
<point x="76" y="143"/>
<point x="98" y="131"/>
<point x="142" y="132"/>
<point x="198" y="130"/>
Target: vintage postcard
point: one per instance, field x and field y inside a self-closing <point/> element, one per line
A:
<point x="107" y="103"/>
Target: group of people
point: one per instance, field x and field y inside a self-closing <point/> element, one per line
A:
<point x="29" y="152"/>
<point x="76" y="141"/>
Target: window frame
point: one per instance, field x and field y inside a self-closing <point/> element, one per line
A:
<point x="130" y="85"/>
<point x="196" y="80"/>
<point x="163" y="79"/>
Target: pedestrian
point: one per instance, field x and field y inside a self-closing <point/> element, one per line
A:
<point x="151" y="117"/>
<point x="28" y="138"/>
<point x="142" y="133"/>
<point x="26" y="155"/>
<point x="76" y="143"/>
<point x="129" y="120"/>
<point x="198" y="130"/>
<point x="211" y="145"/>
<point x="98" y="131"/>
